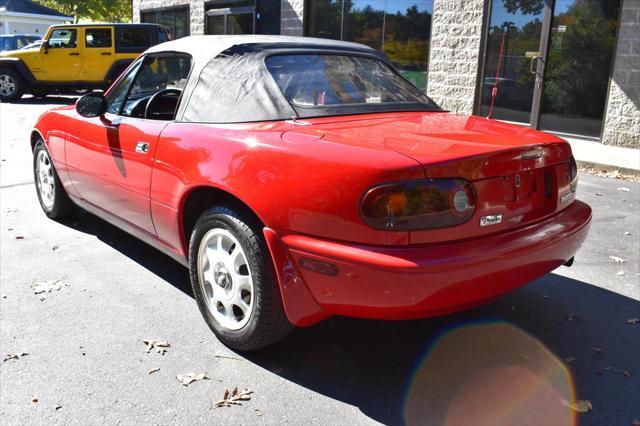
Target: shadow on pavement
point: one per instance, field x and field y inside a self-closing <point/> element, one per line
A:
<point x="518" y="360"/>
<point x="48" y="100"/>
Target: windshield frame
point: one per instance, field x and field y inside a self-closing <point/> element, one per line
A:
<point x="314" y="111"/>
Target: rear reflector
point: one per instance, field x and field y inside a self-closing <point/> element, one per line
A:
<point x="318" y="266"/>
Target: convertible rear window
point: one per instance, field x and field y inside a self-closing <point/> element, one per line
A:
<point x="325" y="84"/>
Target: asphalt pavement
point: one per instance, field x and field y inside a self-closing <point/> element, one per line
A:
<point x="570" y="336"/>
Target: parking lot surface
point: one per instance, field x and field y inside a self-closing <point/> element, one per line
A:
<point x="571" y="335"/>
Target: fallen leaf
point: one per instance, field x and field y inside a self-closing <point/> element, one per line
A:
<point x="623" y="189"/>
<point x="572" y="317"/>
<point x="633" y="320"/>
<point x="620" y="273"/>
<point x="569" y="359"/>
<point x="227" y="357"/>
<point x="580" y="406"/>
<point x="154" y="370"/>
<point x="233" y="398"/>
<point x="187" y="379"/>
<point x="47" y="286"/>
<point x="16" y="355"/>
<point x="57" y="407"/>
<point x="617" y="259"/>
<point x="34" y="398"/>
<point x="159" y="345"/>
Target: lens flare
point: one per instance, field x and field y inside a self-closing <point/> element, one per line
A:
<point x="489" y="374"/>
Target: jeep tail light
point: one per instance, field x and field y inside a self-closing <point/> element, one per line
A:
<point x="418" y="205"/>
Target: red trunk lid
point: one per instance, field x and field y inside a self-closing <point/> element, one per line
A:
<point x="518" y="173"/>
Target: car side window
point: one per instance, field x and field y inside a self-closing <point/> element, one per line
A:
<point x="164" y="76"/>
<point x="98" y="37"/>
<point x="131" y="37"/>
<point x="63" y="39"/>
<point x="116" y="96"/>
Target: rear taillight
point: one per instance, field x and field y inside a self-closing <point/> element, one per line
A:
<point x="573" y="174"/>
<point x="418" y="205"/>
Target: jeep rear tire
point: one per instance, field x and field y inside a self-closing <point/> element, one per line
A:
<point x="11" y="85"/>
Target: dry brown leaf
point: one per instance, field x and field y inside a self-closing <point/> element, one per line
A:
<point x="160" y="346"/>
<point x="572" y="317"/>
<point x="16" y="355"/>
<point x="234" y="398"/>
<point x="187" y="379"/>
<point x="154" y="370"/>
<point x="580" y="406"/>
<point x="47" y="286"/>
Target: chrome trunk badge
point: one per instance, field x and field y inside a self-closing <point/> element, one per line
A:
<point x="492" y="219"/>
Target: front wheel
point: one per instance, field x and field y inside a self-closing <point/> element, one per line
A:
<point x="234" y="281"/>
<point x="53" y="198"/>
<point x="11" y="85"/>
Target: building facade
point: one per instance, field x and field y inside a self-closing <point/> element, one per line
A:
<point x="571" y="67"/>
<point x="28" y="17"/>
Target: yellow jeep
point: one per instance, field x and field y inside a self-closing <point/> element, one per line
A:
<point x="75" y="57"/>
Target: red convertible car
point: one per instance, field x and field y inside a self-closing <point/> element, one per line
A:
<point x="300" y="178"/>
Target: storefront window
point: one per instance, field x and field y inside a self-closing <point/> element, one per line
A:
<point x="175" y="19"/>
<point x="399" y="28"/>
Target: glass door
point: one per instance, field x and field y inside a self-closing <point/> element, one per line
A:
<point x="583" y="35"/>
<point x="513" y="62"/>
<point x="231" y="20"/>
<point x="547" y="63"/>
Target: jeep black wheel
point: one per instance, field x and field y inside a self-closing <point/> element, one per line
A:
<point x="11" y="85"/>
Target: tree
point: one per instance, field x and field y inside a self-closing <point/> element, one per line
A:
<point x="95" y="10"/>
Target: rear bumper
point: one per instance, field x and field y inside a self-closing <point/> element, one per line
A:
<point x="422" y="281"/>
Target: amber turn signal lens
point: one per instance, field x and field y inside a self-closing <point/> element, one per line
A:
<point x="319" y="266"/>
<point x="416" y="205"/>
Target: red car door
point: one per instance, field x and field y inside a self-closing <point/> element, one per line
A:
<point x="110" y="158"/>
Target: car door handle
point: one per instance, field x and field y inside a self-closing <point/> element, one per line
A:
<point x="106" y="53"/>
<point x="74" y="54"/>
<point x="142" y="147"/>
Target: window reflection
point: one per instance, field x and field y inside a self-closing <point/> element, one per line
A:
<point x="580" y="53"/>
<point x="400" y="28"/>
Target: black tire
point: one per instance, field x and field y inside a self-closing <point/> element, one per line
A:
<point x="61" y="206"/>
<point x="267" y="322"/>
<point x="11" y="85"/>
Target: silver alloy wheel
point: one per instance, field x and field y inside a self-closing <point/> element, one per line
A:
<point x="225" y="279"/>
<point x="7" y="85"/>
<point x="45" y="181"/>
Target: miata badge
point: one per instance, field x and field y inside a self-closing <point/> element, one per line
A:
<point x="492" y="219"/>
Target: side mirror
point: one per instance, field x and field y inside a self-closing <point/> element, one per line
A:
<point x="44" y="47"/>
<point x="92" y="105"/>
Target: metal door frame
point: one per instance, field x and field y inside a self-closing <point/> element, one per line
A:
<point x="233" y="11"/>
<point x="540" y="66"/>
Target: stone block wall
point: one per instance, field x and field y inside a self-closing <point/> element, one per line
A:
<point x="291" y="16"/>
<point x="196" y="10"/>
<point x="456" y="33"/>
<point x="622" y="119"/>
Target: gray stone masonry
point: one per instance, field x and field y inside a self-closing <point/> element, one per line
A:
<point x="456" y="31"/>
<point x="622" y="120"/>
